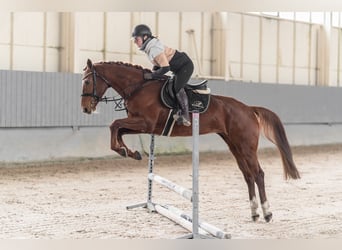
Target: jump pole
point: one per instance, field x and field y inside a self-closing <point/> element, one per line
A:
<point x="199" y="229"/>
<point x="203" y="226"/>
<point x="195" y="175"/>
<point x="186" y="193"/>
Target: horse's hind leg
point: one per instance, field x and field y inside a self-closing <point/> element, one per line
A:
<point x="259" y="180"/>
<point x="246" y="157"/>
<point x="249" y="177"/>
<point x="256" y="174"/>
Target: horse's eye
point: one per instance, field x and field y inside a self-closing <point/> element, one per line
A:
<point x="86" y="82"/>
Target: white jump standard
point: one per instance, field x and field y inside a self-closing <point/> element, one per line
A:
<point x="199" y="229"/>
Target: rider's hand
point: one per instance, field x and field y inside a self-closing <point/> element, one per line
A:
<point x="155" y="68"/>
<point x="148" y="76"/>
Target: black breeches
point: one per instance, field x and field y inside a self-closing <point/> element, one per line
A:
<point x="182" y="76"/>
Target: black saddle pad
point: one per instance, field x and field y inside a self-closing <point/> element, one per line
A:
<point x="198" y="96"/>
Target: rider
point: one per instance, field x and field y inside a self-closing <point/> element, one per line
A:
<point x="166" y="59"/>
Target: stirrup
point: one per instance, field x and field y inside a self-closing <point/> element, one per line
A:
<point x="181" y="120"/>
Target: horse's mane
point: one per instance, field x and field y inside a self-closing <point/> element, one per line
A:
<point x="130" y="65"/>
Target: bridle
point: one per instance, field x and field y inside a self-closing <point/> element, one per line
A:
<point x="95" y="75"/>
<point x="119" y="102"/>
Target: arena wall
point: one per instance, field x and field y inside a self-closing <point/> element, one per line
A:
<point x="226" y="45"/>
<point x="41" y="119"/>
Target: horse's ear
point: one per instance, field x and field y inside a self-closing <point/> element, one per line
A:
<point x="89" y="64"/>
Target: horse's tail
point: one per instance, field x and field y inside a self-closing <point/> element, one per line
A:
<point x="275" y="132"/>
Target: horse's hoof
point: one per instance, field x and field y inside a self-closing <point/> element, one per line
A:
<point x="268" y="217"/>
<point x="255" y="217"/>
<point x="122" y="152"/>
<point x="137" y="155"/>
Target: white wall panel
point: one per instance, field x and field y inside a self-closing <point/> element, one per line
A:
<point x="28" y="28"/>
<point x="301" y="76"/>
<point x="285" y="75"/>
<point x="141" y="59"/>
<point x="206" y="48"/>
<point x="191" y="21"/>
<point x="333" y="78"/>
<point x="206" y="68"/>
<point x="302" y="45"/>
<point x="117" y="57"/>
<point x="278" y="63"/>
<point x="118" y="32"/>
<point x="334" y="49"/>
<point x="234" y="37"/>
<point x="313" y="76"/>
<point x="52" y="60"/>
<point x="28" y="41"/>
<point x="5" y="57"/>
<point x="313" y="54"/>
<point x="334" y="57"/>
<point x="250" y="73"/>
<point x="269" y="50"/>
<point x="234" y="70"/>
<point x="5" y="27"/>
<point x="90" y="30"/>
<point x="28" y="58"/>
<point x="269" y="42"/>
<point x="83" y="56"/>
<point x="169" y="34"/>
<point x="268" y="73"/>
<point x="53" y="29"/>
<point x="340" y="60"/>
<point x="251" y="36"/>
<point x="286" y="43"/>
<point x="148" y="18"/>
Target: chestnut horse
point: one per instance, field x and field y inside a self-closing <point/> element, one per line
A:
<point x="237" y="124"/>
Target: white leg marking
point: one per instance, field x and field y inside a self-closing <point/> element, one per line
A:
<point x="254" y="206"/>
<point x="266" y="208"/>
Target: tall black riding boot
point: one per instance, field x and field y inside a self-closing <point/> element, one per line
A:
<point x="183" y="102"/>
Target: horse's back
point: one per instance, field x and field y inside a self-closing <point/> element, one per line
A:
<point x="230" y="105"/>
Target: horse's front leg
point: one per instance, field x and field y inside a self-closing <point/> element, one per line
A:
<point x="135" y="125"/>
<point x="136" y="154"/>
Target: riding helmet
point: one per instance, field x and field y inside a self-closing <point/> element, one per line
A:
<point x="141" y="30"/>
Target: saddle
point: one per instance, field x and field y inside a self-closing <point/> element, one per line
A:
<point x="198" y="95"/>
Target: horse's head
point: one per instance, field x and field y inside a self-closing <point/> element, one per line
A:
<point x="93" y="88"/>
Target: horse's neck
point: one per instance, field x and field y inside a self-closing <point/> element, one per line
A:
<point x="121" y="76"/>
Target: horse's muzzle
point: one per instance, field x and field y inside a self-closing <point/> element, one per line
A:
<point x="87" y="111"/>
